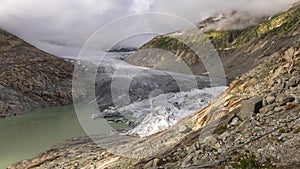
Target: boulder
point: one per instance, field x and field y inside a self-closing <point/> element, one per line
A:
<point x="250" y="106"/>
<point x="1" y="87"/>
<point x="270" y="99"/>
<point x="212" y="142"/>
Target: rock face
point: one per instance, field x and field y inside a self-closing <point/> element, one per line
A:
<point x="239" y="50"/>
<point x="30" y="78"/>
<point x="253" y="124"/>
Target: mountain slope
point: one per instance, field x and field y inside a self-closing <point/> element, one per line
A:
<point x="30" y="78"/>
<point x="239" y="50"/>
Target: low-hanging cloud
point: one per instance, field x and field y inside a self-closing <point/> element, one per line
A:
<point x="62" y="27"/>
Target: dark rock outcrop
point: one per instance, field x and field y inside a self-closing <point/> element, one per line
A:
<point x="30" y="78"/>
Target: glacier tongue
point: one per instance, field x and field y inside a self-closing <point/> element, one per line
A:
<point x="161" y="112"/>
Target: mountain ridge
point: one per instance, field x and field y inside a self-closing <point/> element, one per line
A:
<point x="235" y="47"/>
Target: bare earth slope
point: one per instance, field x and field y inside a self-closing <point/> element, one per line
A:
<point x="31" y="79"/>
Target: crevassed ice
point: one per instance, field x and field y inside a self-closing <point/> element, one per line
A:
<point x="161" y="112"/>
<point x="168" y="109"/>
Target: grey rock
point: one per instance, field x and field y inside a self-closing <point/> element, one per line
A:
<point x="187" y="161"/>
<point x="286" y="100"/>
<point x="270" y="113"/>
<point x="197" y="145"/>
<point x="212" y="142"/>
<point x="1" y="87"/>
<point x="296" y="98"/>
<point x="266" y="109"/>
<point x="224" y="136"/>
<point x="250" y="106"/>
<point x="270" y="99"/>
<point x="185" y="129"/>
<point x="285" y="136"/>
<point x="155" y="162"/>
<point x="276" y="134"/>
<point x="228" y="167"/>
<point x="293" y="82"/>
<point x="278" y="109"/>
<point x="221" y="150"/>
<point x="191" y="149"/>
<point x="234" y="121"/>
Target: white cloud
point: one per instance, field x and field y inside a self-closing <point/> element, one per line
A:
<point x="71" y="22"/>
<point x="141" y="5"/>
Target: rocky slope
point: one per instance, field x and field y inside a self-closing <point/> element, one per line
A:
<point x="239" y="49"/>
<point x="30" y="78"/>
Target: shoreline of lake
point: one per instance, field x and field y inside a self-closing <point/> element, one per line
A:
<point x="28" y="135"/>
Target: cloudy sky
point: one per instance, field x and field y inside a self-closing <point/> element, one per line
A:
<point x="62" y="27"/>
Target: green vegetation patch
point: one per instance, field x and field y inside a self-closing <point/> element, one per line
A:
<point x="247" y="162"/>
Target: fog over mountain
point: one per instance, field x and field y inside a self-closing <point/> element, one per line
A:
<point x="62" y="27"/>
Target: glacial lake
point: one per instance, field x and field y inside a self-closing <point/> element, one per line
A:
<point x="25" y="136"/>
